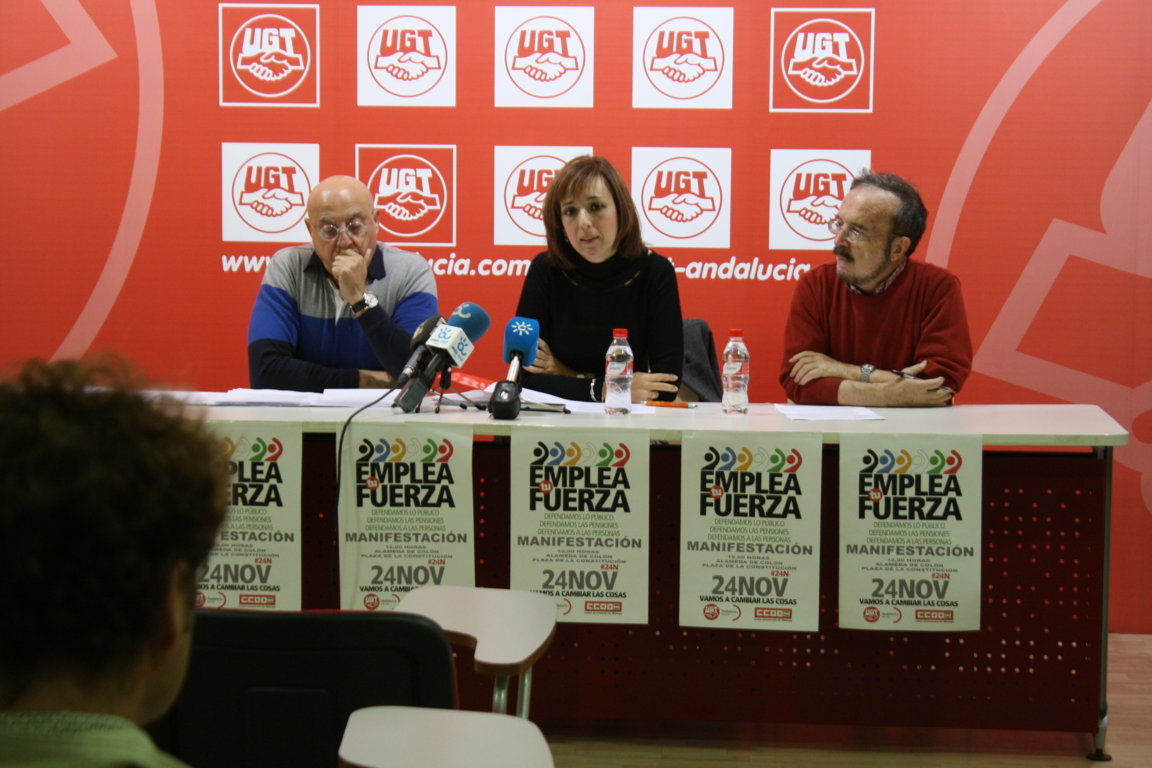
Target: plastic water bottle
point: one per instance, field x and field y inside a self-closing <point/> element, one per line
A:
<point x="618" y="374"/>
<point x="735" y="373"/>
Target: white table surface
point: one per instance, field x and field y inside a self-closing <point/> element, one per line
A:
<point x="1001" y="425"/>
<point x="423" y="737"/>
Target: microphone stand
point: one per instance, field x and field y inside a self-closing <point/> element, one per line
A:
<point x="446" y="387"/>
<point x="441" y="389"/>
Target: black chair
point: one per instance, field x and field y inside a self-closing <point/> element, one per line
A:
<point x="701" y="375"/>
<point x="276" y="689"/>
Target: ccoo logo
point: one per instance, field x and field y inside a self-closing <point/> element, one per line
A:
<point x="681" y="197"/>
<point x="407" y="56"/>
<point x="410" y="194"/>
<point x="270" y="56"/>
<point x="811" y="195"/>
<point x="544" y="57"/>
<point x="524" y="192"/>
<point x="683" y="58"/>
<point x="269" y="192"/>
<point x="822" y="60"/>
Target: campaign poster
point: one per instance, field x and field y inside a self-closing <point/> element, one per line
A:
<point x="580" y="521"/>
<point x="256" y="560"/>
<point x="910" y="522"/>
<point x="750" y="530"/>
<point x="405" y="512"/>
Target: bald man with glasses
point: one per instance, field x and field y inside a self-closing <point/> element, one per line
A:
<point x="339" y="313"/>
<point x="875" y="328"/>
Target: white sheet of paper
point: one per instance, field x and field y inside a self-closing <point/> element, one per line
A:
<point x="266" y="397"/>
<point x="828" y="413"/>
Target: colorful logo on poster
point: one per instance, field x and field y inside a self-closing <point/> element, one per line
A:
<point x="684" y="58"/>
<point x="902" y="462"/>
<point x="414" y="191"/>
<point x="407" y="56"/>
<point x="268" y="55"/>
<point x="405" y="473"/>
<point x="895" y="485"/>
<point x="682" y="198"/>
<point x="426" y="451"/>
<point x="256" y="479"/>
<point x="544" y="57"/>
<point x="739" y="482"/>
<point x="822" y="59"/>
<point x="574" y="454"/>
<point x="579" y="477"/>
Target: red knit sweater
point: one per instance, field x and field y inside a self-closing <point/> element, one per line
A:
<point x="920" y="317"/>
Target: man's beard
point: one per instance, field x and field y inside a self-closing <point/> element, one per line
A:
<point x="856" y="282"/>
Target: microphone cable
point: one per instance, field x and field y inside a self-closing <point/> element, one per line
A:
<point x="340" y="443"/>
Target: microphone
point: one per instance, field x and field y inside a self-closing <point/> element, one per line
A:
<point x="419" y="348"/>
<point x="520" y="338"/>
<point x="452" y="343"/>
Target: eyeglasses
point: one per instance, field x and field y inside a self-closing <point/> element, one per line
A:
<point x="330" y="232"/>
<point x="852" y="233"/>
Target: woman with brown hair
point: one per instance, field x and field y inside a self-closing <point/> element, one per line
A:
<point x="597" y="275"/>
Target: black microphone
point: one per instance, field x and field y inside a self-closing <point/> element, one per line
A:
<point x="452" y="343"/>
<point x="520" y="338"/>
<point x="419" y="348"/>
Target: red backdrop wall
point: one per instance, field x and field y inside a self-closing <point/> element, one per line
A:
<point x="128" y="127"/>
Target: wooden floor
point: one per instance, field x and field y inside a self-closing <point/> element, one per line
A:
<point x="700" y="745"/>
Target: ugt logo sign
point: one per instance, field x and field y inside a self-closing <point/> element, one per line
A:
<point x="269" y="55"/>
<point x="683" y="51"/>
<point x="406" y="56"/>
<point x="414" y="189"/>
<point x="547" y="60"/>
<point x="544" y="56"/>
<point x="264" y="190"/>
<point x="683" y="195"/>
<point x="811" y="196"/>
<point x="808" y="186"/>
<point x="822" y="60"/>
<point x="520" y="182"/>
<point x="525" y="189"/>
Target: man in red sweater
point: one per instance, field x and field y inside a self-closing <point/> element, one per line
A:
<point x="876" y="328"/>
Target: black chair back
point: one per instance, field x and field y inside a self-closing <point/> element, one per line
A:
<point x="276" y="689"/>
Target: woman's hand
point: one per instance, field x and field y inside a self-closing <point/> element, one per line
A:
<point x="648" y="386"/>
<point x="546" y="362"/>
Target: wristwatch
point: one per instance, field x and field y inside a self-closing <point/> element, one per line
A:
<point x="866" y="372"/>
<point x="367" y="302"/>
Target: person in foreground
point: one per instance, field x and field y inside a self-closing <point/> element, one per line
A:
<point x="875" y="328"/>
<point x="340" y="313"/>
<point x="598" y="275"/>
<point x="109" y="505"/>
